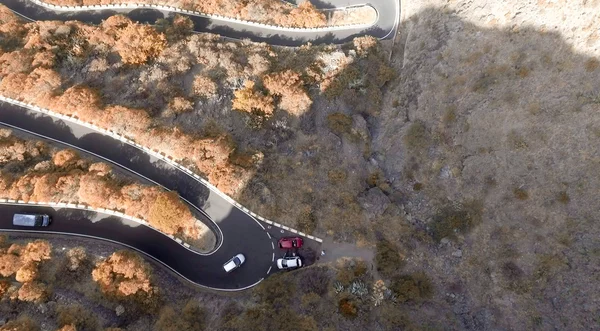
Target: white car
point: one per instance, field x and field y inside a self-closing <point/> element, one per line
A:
<point x="234" y="263"/>
<point x="289" y="262"/>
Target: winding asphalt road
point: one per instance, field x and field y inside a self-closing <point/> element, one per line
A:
<point x="384" y="28"/>
<point x="240" y="231"/>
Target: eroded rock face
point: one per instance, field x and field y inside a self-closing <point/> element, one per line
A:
<point x="374" y="202"/>
<point x="360" y="127"/>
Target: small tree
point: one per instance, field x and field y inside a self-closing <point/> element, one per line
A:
<point x="204" y="87"/>
<point x="124" y="273"/>
<point x="414" y="287"/>
<point x="32" y="292"/>
<point x="138" y="43"/>
<point x="290" y="88"/>
<point x="168" y="213"/>
<point x="23" y="323"/>
<point x="388" y="258"/>
<point x="250" y="100"/>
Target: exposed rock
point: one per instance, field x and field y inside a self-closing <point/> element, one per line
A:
<point x="120" y="310"/>
<point x="43" y="308"/>
<point x="374" y="202"/>
<point x="457" y="253"/>
<point x="360" y="128"/>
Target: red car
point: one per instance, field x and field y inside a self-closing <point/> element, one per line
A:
<point x="290" y="242"/>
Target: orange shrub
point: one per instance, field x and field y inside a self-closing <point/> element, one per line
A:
<point x="123" y="273"/>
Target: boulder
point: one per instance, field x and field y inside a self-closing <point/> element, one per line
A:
<point x="374" y="202"/>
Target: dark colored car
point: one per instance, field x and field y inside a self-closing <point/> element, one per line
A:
<point x="290" y="242"/>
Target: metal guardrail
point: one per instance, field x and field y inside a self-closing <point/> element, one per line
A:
<point x="98" y="210"/>
<point x="211" y="16"/>
<point x="65" y="205"/>
<point x="166" y="158"/>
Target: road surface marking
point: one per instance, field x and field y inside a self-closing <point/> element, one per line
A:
<point x="268" y="234"/>
<point x="218" y="229"/>
<point x="272" y="244"/>
<point x="138" y="250"/>
<point x="273" y="258"/>
<point x="269" y="269"/>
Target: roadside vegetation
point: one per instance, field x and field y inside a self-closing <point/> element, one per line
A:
<point x="466" y="166"/>
<point x="153" y="92"/>
<point x="273" y="12"/>
<point x="42" y="284"/>
<point x="33" y="171"/>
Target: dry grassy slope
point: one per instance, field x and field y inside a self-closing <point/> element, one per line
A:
<point x="508" y="94"/>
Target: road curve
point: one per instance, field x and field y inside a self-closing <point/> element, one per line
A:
<point x="205" y="271"/>
<point x="384" y="28"/>
<point x="241" y="232"/>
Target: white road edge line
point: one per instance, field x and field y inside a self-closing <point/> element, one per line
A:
<point x="268" y="271"/>
<point x="268" y="234"/>
<point x="118" y="137"/>
<point x="217" y="17"/>
<point x="273" y="258"/>
<point x="107" y="212"/>
<point x="126" y="169"/>
<point x="131" y="247"/>
<point x="272" y="245"/>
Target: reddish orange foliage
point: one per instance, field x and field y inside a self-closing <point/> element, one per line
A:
<point x="123" y="273"/>
<point x="74" y="180"/>
<point x="32" y="79"/>
<point x="23" y="262"/>
<point x="32" y="292"/>
<point x="250" y="100"/>
<point x="289" y="87"/>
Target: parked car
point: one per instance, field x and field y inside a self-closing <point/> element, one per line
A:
<point x="289" y="262"/>
<point x="290" y="242"/>
<point x="234" y="263"/>
<point x="31" y="220"/>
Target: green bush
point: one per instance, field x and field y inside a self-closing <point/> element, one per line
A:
<point x="387" y="258"/>
<point x="350" y="272"/>
<point x="339" y="123"/>
<point x="393" y="317"/>
<point x="315" y="279"/>
<point x="452" y="220"/>
<point x="563" y="197"/>
<point x="192" y="317"/>
<point x="276" y="291"/>
<point x="414" y="287"/>
<point x="24" y="322"/>
<point x="78" y="316"/>
<point x="417" y="137"/>
<point x="307" y="221"/>
<point x="348" y="308"/>
<point x="521" y="194"/>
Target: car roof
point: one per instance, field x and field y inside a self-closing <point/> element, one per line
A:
<point x="230" y="265"/>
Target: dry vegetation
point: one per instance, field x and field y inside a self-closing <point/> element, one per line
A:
<point x="23" y="262"/>
<point x="274" y="12"/>
<point x="33" y="171"/>
<point x="47" y="286"/>
<point x="489" y="144"/>
<point x="470" y="167"/>
<point x="174" y="91"/>
<point x="123" y="273"/>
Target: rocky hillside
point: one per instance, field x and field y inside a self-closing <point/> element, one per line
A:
<point x="489" y="141"/>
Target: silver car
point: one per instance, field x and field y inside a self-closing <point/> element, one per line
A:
<point x="289" y="262"/>
<point x="234" y="263"/>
